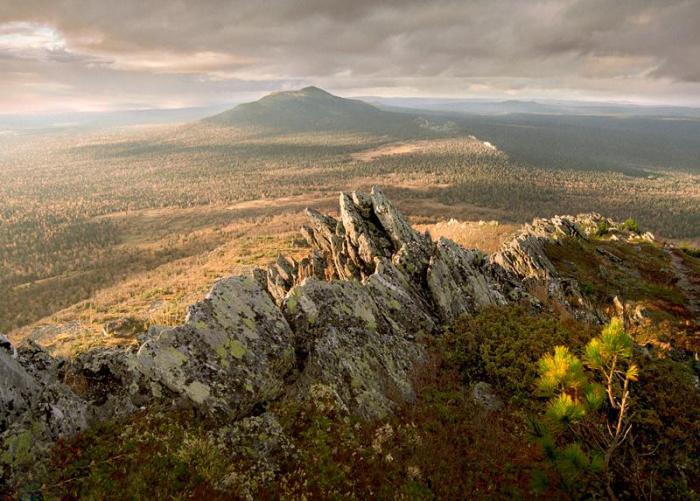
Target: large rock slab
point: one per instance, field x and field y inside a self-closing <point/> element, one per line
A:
<point x="36" y="409"/>
<point x="365" y="242"/>
<point x="412" y="250"/>
<point x="18" y="389"/>
<point x="347" y="344"/>
<point x="402" y="303"/>
<point x="52" y="405"/>
<point x="232" y="354"/>
<point x="394" y="224"/>
<point x="460" y="281"/>
<point x="109" y="380"/>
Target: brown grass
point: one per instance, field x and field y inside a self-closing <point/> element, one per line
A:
<point x="391" y="149"/>
<point x="487" y="236"/>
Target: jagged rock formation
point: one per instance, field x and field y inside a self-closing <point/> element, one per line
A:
<point x="36" y="408"/>
<point x="372" y="242"/>
<point x="348" y="317"/>
<point x="463" y="281"/>
<point x="524" y="257"/>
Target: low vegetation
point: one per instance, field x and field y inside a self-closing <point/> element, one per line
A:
<point x="442" y="446"/>
<point x="503" y="346"/>
<point x="645" y="276"/>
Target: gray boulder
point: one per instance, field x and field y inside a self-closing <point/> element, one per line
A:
<point x="233" y="352"/>
<point x="485" y="397"/>
<point x="36" y="409"/>
<point x="109" y="380"/>
<point x="364" y="241"/>
<point x="460" y="281"/>
<point x="125" y="327"/>
<point x="346" y="344"/>
<point x="18" y="389"/>
<point x="33" y="385"/>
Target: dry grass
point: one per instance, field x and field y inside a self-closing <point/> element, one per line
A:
<point x="391" y="149"/>
<point x="487" y="236"/>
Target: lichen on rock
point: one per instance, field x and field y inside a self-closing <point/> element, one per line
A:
<point x="347" y="344"/>
<point x="461" y="281"/>
<point x="234" y="341"/>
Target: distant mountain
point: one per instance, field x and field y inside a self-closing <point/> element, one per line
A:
<point x="514" y="107"/>
<point x="314" y="110"/>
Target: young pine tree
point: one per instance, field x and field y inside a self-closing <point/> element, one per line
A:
<point x="572" y="423"/>
<point x="610" y="357"/>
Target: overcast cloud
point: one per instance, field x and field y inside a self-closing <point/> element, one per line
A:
<point x="94" y="55"/>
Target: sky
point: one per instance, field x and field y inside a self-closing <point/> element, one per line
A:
<point x="100" y="55"/>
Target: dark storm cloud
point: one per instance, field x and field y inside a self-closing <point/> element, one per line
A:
<point x="199" y="51"/>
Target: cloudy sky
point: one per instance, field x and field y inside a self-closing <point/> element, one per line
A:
<point x="123" y="54"/>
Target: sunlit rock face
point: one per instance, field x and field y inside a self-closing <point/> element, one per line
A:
<point x="372" y="242"/>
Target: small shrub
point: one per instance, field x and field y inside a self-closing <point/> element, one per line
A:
<point x="631" y="224"/>
<point x="503" y="344"/>
<point x="603" y="228"/>
<point x="588" y="289"/>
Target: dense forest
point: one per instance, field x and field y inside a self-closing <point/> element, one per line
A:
<point x="70" y="202"/>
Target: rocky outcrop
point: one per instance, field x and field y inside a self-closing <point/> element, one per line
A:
<point x="17" y="391"/>
<point x="36" y="408"/>
<point x="373" y="243"/>
<point x="347" y="318"/>
<point x="369" y="228"/>
<point x="401" y="302"/>
<point x="461" y="281"/>
<point x="524" y="258"/>
<point x="345" y="342"/>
